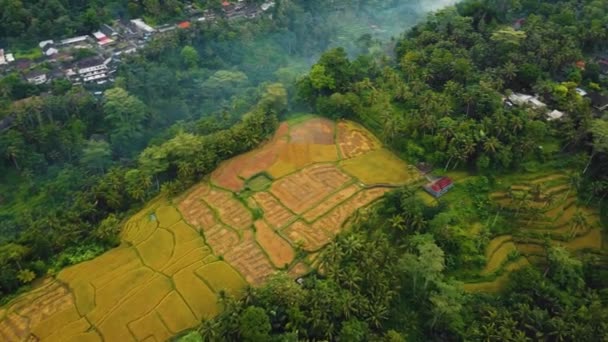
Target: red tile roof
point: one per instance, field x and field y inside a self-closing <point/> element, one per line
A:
<point x="441" y="184"/>
<point x="184" y="24"/>
<point x="581" y="64"/>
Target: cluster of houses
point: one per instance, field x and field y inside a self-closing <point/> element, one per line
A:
<point x="94" y="58"/>
<point x="597" y="99"/>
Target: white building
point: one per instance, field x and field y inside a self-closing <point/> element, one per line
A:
<point x="44" y="43"/>
<point x="36" y="77"/>
<point x="49" y="50"/>
<point x="582" y="92"/>
<point x="6" y="58"/>
<point x="77" y="42"/>
<point x="555" y="115"/>
<point x="93" y="69"/>
<point x="524" y="99"/>
<point x="142" y="26"/>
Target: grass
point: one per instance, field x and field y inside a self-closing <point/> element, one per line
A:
<point x="380" y="167"/>
<point x="259" y="182"/>
<point x="31" y="54"/>
<point x="296" y="118"/>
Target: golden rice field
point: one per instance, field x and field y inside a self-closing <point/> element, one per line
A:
<point x="266" y="211"/>
<point x="545" y="207"/>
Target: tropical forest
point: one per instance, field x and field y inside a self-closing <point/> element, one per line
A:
<point x="303" y="170"/>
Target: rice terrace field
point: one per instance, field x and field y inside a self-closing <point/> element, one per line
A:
<point x="546" y="209"/>
<point x="272" y="209"/>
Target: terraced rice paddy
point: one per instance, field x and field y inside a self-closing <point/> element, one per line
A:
<point x="266" y="211"/>
<point x="543" y="207"/>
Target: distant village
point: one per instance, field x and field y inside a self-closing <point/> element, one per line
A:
<point x="93" y="59"/>
<point x="598" y="100"/>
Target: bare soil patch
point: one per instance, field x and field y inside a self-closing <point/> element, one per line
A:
<point x="274" y="212"/>
<point x="279" y="251"/>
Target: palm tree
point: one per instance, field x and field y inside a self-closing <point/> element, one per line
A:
<point x="210" y="330"/>
<point x="351" y="244"/>
<point x="12" y="152"/>
<point x="376" y="313"/>
<point x="491" y="145"/>
<point x="351" y="276"/>
<point x="578" y="221"/>
<point x="397" y="222"/>
<point x="26" y="276"/>
<point x="509" y="71"/>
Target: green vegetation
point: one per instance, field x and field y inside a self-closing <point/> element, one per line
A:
<point x="259" y="182"/>
<point x="515" y="252"/>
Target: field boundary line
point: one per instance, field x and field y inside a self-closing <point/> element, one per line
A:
<point x="277" y="232"/>
<point x="153" y="310"/>
<point x="128" y="295"/>
<point x="334" y="207"/>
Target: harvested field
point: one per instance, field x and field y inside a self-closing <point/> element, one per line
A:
<point x="231" y="212"/>
<point x="300" y="191"/>
<point x="330" y="202"/>
<point x="249" y="259"/>
<point x="221" y="239"/>
<point x="380" y="167"/>
<point x="195" y="211"/>
<point x="354" y="140"/>
<point x="295" y="156"/>
<point x="298" y="270"/>
<point x="310" y="239"/>
<point x="259" y="160"/>
<point x="232" y="173"/>
<point x="315" y="131"/>
<point x="332" y="222"/>
<point x="279" y="251"/>
<point x="35" y="313"/>
<point x="274" y="212"/>
<point x="227" y="176"/>
<point x="168" y="274"/>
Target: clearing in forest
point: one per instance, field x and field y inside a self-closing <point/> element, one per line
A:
<point x="272" y="209"/>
